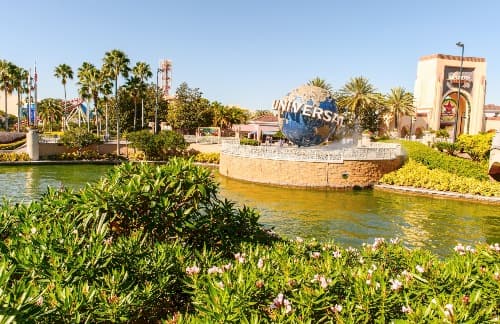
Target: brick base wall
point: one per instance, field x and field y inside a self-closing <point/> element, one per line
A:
<point x="347" y="175"/>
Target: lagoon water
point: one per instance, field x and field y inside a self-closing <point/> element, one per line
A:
<point x="347" y="217"/>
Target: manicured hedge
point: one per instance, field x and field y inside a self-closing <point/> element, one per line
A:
<point x="207" y="157"/>
<point x="436" y="160"/>
<point x="12" y="157"/>
<point x="13" y="145"/>
<point x="417" y="175"/>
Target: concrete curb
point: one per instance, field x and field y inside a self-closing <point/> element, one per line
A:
<point x="437" y="193"/>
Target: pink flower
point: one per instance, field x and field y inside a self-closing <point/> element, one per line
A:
<point x="299" y="239"/>
<point x="408" y="276"/>
<point x="395" y="284"/>
<point x="420" y="268"/>
<point x="406" y="309"/>
<point x="39" y="301"/>
<point x="337" y="254"/>
<point x="460" y="249"/>
<point x="315" y="255"/>
<point x="337" y="308"/>
<point x="192" y="270"/>
<point x="281" y="302"/>
<point x="240" y="257"/>
<point x="227" y="266"/>
<point x="322" y="280"/>
<point x="220" y="284"/>
<point x="495" y="247"/>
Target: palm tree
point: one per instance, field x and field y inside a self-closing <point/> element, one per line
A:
<point x="105" y="89"/>
<point x="7" y="71"/>
<point x="64" y="72"/>
<point x="222" y="115"/>
<point x="321" y="83"/>
<point x="142" y="71"/>
<point x="134" y="88"/>
<point x="356" y="95"/>
<point x="49" y="111"/>
<point x="116" y="64"/>
<point x="399" y="102"/>
<point x="91" y="83"/>
<point x="21" y="86"/>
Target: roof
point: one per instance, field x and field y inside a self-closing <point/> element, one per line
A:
<point x="266" y="119"/>
<point x="452" y="57"/>
<point x="491" y="108"/>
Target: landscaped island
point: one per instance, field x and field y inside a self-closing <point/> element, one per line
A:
<point x="151" y="243"/>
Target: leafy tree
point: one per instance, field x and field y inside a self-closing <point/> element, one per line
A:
<point x="189" y="109"/>
<point x="134" y="88"/>
<point x="78" y="138"/>
<point x="399" y="102"/>
<point x="321" y="83"/>
<point x="88" y="76"/>
<point x="159" y="146"/>
<point x="115" y="64"/>
<point x="64" y="72"/>
<point x="259" y="113"/>
<point x="20" y="83"/>
<point x="142" y="71"/>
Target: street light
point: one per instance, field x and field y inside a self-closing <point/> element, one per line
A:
<point x="156" y="101"/>
<point x="459" y="44"/>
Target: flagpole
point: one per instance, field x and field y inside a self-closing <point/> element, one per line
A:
<point x="29" y="97"/>
<point x="36" y="99"/>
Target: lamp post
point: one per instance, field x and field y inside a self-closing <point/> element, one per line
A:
<point x="459" y="44"/>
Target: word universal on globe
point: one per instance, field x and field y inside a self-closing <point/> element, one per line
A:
<point x="308" y="115"/>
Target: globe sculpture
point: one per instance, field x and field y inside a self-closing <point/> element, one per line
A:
<point x="307" y="115"/>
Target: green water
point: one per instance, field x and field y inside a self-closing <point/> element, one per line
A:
<point x="347" y="217"/>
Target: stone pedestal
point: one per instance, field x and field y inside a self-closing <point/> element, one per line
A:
<point x="365" y="140"/>
<point x="32" y="146"/>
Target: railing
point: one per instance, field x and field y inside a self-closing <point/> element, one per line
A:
<point x="374" y="151"/>
<point x="202" y="139"/>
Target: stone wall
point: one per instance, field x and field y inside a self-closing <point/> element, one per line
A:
<point x="344" y="175"/>
<point x="52" y="149"/>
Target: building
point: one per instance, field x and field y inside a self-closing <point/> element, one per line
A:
<point x="11" y="103"/>
<point x="437" y="98"/>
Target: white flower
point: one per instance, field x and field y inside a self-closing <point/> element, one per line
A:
<point x="240" y="257"/>
<point x="395" y="284"/>
<point x="495" y="247"/>
<point x="315" y="255"/>
<point x="448" y="310"/>
<point x="214" y="269"/>
<point x="420" y="268"/>
<point x="337" y="254"/>
<point x="192" y="270"/>
<point x="33" y="230"/>
<point x="337" y="308"/>
<point x="260" y="263"/>
<point x="299" y="239"/>
<point x="220" y="284"/>
<point x="406" y="309"/>
<point x="281" y="302"/>
<point x="227" y="266"/>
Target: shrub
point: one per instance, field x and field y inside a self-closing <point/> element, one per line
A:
<point x="417" y="175"/>
<point x="477" y="146"/>
<point x="13" y="145"/>
<point x="158" y="147"/>
<point x="442" y="133"/>
<point x="12" y="157"/>
<point x="249" y="141"/>
<point x="78" y="138"/>
<point x="450" y="148"/>
<point x="209" y="157"/>
<point x="9" y="137"/>
<point x="435" y="160"/>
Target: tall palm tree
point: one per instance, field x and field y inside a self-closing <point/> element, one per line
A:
<point x="115" y="64"/>
<point x="134" y="88"/>
<point x="85" y="73"/>
<point x="399" y="102"/>
<point x="21" y="86"/>
<point x="321" y="83"/>
<point x="142" y="70"/>
<point x="105" y="88"/>
<point x="64" y="72"/>
<point x="7" y="71"/>
<point x="356" y="95"/>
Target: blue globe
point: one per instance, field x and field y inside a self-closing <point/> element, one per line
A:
<point x="302" y="129"/>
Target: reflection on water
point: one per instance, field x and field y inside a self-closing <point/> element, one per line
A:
<point x="354" y="217"/>
<point x="348" y="217"/>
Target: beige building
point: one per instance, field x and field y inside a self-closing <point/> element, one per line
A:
<point x="11" y="103"/>
<point x="437" y="94"/>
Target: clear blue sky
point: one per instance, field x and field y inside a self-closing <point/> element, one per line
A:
<point x="249" y="53"/>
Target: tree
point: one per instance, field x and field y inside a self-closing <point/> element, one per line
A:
<point x="7" y="71"/>
<point x="357" y="95"/>
<point x="115" y="64"/>
<point x="189" y="109"/>
<point x="49" y="111"/>
<point x="321" y="83"/>
<point x="88" y="75"/>
<point x="399" y="102"/>
<point x="78" y="138"/>
<point x="64" y="72"/>
<point x="142" y="71"/>
<point x="134" y="88"/>
<point x="20" y="83"/>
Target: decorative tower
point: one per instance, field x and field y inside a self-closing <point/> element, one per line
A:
<point x="166" y="77"/>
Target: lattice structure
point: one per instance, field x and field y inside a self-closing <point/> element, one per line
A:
<point x="166" y="77"/>
<point x="75" y="112"/>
